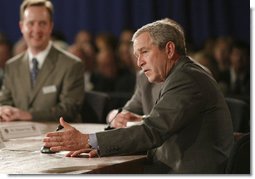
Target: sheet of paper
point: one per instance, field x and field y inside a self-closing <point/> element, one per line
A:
<point x="133" y="123"/>
<point x="1" y="143"/>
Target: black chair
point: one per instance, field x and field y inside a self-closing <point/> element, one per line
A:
<point x="118" y="99"/>
<point x="240" y="114"/>
<point x="95" y="107"/>
<point x="239" y="159"/>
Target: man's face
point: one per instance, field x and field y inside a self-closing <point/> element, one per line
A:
<point x="36" y="28"/>
<point x="238" y="59"/>
<point x="152" y="60"/>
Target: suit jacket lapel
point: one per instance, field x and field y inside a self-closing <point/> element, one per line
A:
<point x="46" y="70"/>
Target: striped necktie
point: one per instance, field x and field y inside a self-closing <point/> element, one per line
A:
<point x="34" y="71"/>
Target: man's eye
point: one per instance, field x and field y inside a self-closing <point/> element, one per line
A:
<point x="42" y="23"/>
<point x="30" y="23"/>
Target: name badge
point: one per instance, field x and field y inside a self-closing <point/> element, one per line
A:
<point x="1" y="143"/>
<point x="17" y="131"/>
<point x="49" y="89"/>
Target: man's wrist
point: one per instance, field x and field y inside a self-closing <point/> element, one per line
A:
<point x="92" y="141"/>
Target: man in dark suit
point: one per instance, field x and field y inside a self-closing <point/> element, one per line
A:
<point x="189" y="129"/>
<point x="44" y="82"/>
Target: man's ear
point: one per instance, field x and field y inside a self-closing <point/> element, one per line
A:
<point x="170" y="49"/>
<point x="21" y="26"/>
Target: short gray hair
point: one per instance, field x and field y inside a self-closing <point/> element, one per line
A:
<point x="163" y="31"/>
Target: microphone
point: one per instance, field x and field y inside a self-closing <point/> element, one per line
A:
<point x="46" y="150"/>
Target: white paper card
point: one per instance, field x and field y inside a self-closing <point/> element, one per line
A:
<point x="1" y="143"/>
<point x="17" y="131"/>
<point x="134" y="123"/>
<point x="49" y="89"/>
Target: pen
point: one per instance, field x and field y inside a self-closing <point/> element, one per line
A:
<point x="109" y="125"/>
<point x="59" y="127"/>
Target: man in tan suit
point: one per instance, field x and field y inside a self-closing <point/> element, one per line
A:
<point x="44" y="82"/>
<point x="140" y="104"/>
<point x="189" y="129"/>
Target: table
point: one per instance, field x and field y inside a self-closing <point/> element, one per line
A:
<point x="23" y="156"/>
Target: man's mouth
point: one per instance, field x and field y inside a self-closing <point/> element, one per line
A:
<point x="145" y="70"/>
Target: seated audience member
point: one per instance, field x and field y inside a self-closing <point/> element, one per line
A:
<point x="79" y="52"/>
<point x="106" y="41"/>
<point x="106" y="72"/>
<point x="83" y="37"/>
<point x="19" y="47"/>
<point x="84" y="40"/>
<point x="236" y="80"/>
<point x="109" y="77"/>
<point x="205" y="60"/>
<point x="5" y="54"/>
<point x="221" y="52"/>
<point x="84" y="48"/>
<point x="188" y="130"/>
<point x="44" y="82"/>
<point x="125" y="52"/>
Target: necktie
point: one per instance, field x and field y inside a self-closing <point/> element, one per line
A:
<point x="34" y="71"/>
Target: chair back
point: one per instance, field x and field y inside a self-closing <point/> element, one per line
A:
<point x="239" y="159"/>
<point x="95" y="107"/>
<point x="240" y="114"/>
<point x="118" y="99"/>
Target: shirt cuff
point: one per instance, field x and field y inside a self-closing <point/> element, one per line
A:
<point x="93" y="141"/>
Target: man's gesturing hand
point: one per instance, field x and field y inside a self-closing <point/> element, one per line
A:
<point x="70" y="139"/>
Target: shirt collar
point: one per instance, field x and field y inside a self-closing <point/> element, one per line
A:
<point x="40" y="56"/>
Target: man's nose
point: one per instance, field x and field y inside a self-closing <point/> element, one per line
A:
<point x="140" y="61"/>
<point x="37" y="27"/>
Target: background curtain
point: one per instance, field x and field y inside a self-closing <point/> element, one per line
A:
<point x="201" y="19"/>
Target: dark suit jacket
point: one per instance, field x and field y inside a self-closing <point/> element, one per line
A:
<point x="189" y="129"/>
<point x="145" y="95"/>
<point x="58" y="91"/>
<point x="244" y="84"/>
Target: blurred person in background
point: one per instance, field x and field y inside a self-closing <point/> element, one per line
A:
<point x="19" y="46"/>
<point x="125" y="52"/>
<point x="235" y="82"/>
<point x="84" y="47"/>
<point x="5" y="54"/>
<point x="205" y="60"/>
<point x="84" y="40"/>
<point x="111" y="76"/>
<point x="221" y="53"/>
<point x="106" y="72"/>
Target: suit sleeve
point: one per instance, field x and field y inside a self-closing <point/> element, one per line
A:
<point x="177" y="107"/>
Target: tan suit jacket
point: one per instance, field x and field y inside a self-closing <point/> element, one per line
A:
<point x="58" y="91"/>
<point x="145" y="95"/>
<point x="189" y="129"/>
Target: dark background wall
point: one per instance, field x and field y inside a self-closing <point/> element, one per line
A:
<point x="201" y="19"/>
